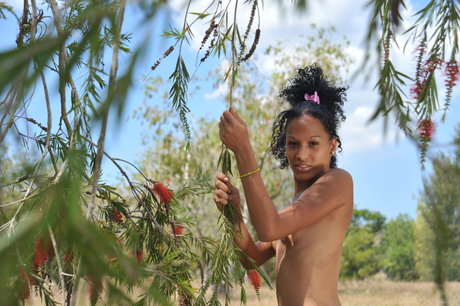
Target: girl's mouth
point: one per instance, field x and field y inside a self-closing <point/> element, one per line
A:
<point x="302" y="168"/>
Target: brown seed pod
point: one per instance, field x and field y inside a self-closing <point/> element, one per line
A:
<point x="168" y="52"/>
<point x="211" y="28"/>
<point x="211" y="44"/>
<point x="253" y="47"/>
<point x="251" y="20"/>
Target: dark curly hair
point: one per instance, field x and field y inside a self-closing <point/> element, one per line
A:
<point x="329" y="111"/>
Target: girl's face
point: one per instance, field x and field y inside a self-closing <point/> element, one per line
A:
<point x="308" y="149"/>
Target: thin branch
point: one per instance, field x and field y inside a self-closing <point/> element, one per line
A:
<point x="19" y="201"/>
<point x="58" y="260"/>
<point x="106" y="110"/>
<point x="262" y="160"/>
<point x="234" y="57"/>
<point x="123" y="172"/>
<point x="11" y="102"/>
<point x="134" y="166"/>
<point x="67" y="274"/>
<point x="49" y="123"/>
<point x="13" y="219"/>
<point x="62" y="63"/>
<point x="278" y="193"/>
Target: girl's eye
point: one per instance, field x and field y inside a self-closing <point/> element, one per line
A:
<point x="292" y="143"/>
<point x="314" y="143"/>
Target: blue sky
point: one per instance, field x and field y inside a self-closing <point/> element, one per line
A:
<point x="386" y="169"/>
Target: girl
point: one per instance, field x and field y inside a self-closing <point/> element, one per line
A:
<point x="306" y="237"/>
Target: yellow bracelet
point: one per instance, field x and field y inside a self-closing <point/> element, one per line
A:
<point x="249" y="173"/>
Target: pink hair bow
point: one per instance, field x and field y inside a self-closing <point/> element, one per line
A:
<point x="313" y="98"/>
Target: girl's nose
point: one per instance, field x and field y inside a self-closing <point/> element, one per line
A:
<point x="303" y="154"/>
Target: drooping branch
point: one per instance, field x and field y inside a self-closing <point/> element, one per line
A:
<point x="10" y="103"/>
<point x="106" y="109"/>
<point x="62" y="64"/>
<point x="114" y="160"/>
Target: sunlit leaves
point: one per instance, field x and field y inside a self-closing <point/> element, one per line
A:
<point x="178" y="93"/>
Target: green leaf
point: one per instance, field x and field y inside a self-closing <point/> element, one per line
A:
<point x="200" y="15"/>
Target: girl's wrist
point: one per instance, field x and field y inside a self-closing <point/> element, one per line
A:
<point x="243" y="148"/>
<point x="246" y="161"/>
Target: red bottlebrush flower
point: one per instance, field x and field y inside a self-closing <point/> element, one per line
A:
<point x="139" y="255"/>
<point x="422" y="74"/>
<point x="94" y="289"/>
<point x="426" y="129"/>
<point x="40" y="253"/>
<point x="163" y="193"/>
<point x="432" y="64"/>
<point x="25" y="282"/>
<point x="116" y="216"/>
<point x="177" y="229"/>
<point x="453" y="73"/>
<point x="254" y="278"/>
<point x="421" y="48"/>
<point x="417" y="90"/>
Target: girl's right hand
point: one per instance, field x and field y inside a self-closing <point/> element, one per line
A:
<point x="226" y="192"/>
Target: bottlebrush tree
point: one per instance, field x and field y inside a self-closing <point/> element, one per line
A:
<point x="61" y="225"/>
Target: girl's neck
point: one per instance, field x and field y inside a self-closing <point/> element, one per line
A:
<point x="301" y="186"/>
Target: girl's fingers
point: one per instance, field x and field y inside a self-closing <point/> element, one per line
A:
<point x="237" y="117"/>
<point x="222" y="177"/>
<point x="224" y="190"/>
<point x="222" y="186"/>
<point x="222" y="195"/>
<point x="232" y="111"/>
<point x="219" y="205"/>
<point x="228" y="118"/>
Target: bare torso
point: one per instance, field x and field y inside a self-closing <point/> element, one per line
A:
<point x="308" y="261"/>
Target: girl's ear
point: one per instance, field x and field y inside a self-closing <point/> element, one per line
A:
<point x="333" y="146"/>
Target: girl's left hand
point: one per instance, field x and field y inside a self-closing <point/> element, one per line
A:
<point x="233" y="130"/>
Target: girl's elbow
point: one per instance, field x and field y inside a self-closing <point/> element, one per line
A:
<point x="266" y="238"/>
<point x="267" y="235"/>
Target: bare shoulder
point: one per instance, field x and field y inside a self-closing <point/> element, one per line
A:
<point x="337" y="177"/>
<point x="334" y="188"/>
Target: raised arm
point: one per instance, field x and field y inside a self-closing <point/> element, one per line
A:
<point x="317" y="201"/>
<point x="258" y="252"/>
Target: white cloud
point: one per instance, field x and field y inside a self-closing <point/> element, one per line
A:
<point x="358" y="135"/>
<point x="218" y="92"/>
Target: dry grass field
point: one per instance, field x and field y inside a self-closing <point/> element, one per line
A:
<point x="352" y="293"/>
<point x="395" y="293"/>
<point x="376" y="293"/>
